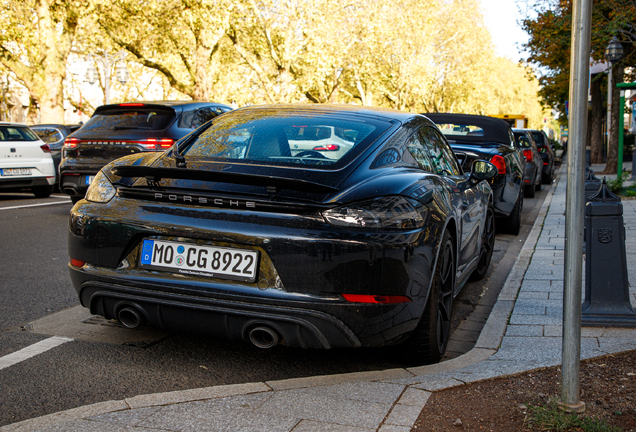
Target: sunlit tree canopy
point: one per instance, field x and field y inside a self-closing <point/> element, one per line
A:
<point x="415" y="55"/>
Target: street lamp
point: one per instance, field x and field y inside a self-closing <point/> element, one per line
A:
<point x="107" y="61"/>
<point x="613" y="53"/>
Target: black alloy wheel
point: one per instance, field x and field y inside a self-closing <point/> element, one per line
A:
<point x="429" y="341"/>
<point x="487" y="246"/>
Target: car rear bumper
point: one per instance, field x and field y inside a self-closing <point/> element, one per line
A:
<point x="300" y="320"/>
<point x="25" y="182"/>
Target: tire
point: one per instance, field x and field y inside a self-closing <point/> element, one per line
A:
<point x="429" y="341"/>
<point x="547" y="179"/>
<point x="512" y="224"/>
<point x="487" y="247"/>
<point x="75" y="198"/>
<point x="528" y="191"/>
<point x="537" y="187"/>
<point x="42" y="191"/>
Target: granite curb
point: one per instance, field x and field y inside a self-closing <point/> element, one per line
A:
<point x="413" y="386"/>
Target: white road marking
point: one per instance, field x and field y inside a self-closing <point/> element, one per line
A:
<point x="32" y="351"/>
<point x="35" y="205"/>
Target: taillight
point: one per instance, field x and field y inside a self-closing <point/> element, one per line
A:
<point x="362" y="298"/>
<point x="500" y="163"/>
<point x="157" y="143"/>
<point x="45" y="148"/>
<point x="528" y="155"/>
<point x="134" y="104"/>
<point x="328" y="147"/>
<point x="77" y="263"/>
<point x="71" y="142"/>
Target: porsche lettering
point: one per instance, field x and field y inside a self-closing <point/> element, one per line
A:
<point x="204" y="200"/>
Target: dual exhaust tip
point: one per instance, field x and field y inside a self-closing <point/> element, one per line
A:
<point x="261" y="336"/>
<point x="131" y="317"/>
<point x="264" y="337"/>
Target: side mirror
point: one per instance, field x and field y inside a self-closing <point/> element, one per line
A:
<point x="483" y="170"/>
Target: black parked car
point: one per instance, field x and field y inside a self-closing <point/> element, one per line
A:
<point x="480" y="137"/>
<point x="236" y="232"/>
<point x="546" y="150"/>
<point x="122" y="129"/>
<point x="534" y="163"/>
<point x="54" y="135"/>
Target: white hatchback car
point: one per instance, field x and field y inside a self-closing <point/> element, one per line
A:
<point x="320" y="141"/>
<point x="25" y="160"/>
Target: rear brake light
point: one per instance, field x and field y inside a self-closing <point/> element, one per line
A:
<point x="157" y="143"/>
<point x="500" y="163"/>
<point x="362" y="298"/>
<point x="71" y="142"/>
<point x="45" y="148"/>
<point x="77" y="263"/>
<point x="328" y="147"/>
<point x="131" y="104"/>
<point x="545" y="163"/>
<point x="528" y="155"/>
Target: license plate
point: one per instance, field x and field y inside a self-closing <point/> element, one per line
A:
<point x="89" y="180"/>
<point x="199" y="260"/>
<point x="15" y="171"/>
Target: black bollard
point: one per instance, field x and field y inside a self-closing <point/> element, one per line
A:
<point x="592" y="183"/>
<point x="606" y="301"/>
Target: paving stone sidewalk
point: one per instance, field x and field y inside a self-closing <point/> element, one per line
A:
<point x="522" y="333"/>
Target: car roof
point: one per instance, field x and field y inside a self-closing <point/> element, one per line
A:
<point x="495" y="130"/>
<point x="12" y="124"/>
<point x="356" y="110"/>
<point x="169" y="103"/>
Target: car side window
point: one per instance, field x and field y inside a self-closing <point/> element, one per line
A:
<point x="416" y="147"/>
<point x="441" y="155"/>
<point x="48" y="135"/>
<point x="196" y="118"/>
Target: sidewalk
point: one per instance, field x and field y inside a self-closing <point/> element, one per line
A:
<point x="522" y="333"/>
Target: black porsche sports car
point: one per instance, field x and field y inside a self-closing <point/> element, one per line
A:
<point x="481" y="137"/>
<point x="242" y="231"/>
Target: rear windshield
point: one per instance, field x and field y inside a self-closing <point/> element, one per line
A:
<point x="538" y="138"/>
<point x="324" y="140"/>
<point x="48" y="135"/>
<point x="523" y="140"/>
<point x="451" y="129"/>
<point x="17" y="133"/>
<point x="129" y="119"/>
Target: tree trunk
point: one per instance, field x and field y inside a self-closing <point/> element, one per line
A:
<point x="596" y="124"/>
<point x="612" y="151"/>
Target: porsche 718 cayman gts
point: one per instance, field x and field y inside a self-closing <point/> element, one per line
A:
<point x="312" y="226"/>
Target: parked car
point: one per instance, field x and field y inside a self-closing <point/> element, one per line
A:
<point x="231" y="234"/>
<point x="546" y="148"/>
<point x="534" y="163"/>
<point x="475" y="137"/>
<point x="122" y="129"/>
<point x="329" y="141"/>
<point x="54" y="135"/>
<point x="25" y="161"/>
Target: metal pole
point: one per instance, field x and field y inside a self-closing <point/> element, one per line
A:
<point x="609" y="105"/>
<point x="575" y="200"/>
<point x="621" y="125"/>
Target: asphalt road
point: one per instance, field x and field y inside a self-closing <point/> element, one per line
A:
<point x="102" y="362"/>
